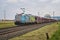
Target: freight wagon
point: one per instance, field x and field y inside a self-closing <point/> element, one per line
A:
<point x="28" y="19"/>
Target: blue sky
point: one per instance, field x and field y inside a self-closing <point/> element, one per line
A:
<point x="11" y="7"/>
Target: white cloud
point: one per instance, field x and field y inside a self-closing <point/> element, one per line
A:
<point x="24" y="1"/>
<point x="33" y="6"/>
<point x="43" y="0"/>
<point x="12" y="1"/>
<point x="56" y="1"/>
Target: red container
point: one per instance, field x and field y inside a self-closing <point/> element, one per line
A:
<point x="39" y="19"/>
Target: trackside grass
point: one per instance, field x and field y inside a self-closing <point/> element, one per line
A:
<point x="56" y="35"/>
<point x="39" y="34"/>
<point x="6" y="24"/>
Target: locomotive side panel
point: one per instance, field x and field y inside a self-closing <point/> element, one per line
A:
<point x="32" y="19"/>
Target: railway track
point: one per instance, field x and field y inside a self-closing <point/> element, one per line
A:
<point x="6" y="34"/>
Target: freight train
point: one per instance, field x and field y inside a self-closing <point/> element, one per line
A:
<point x="30" y="19"/>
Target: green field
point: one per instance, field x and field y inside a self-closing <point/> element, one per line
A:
<point x="39" y="34"/>
<point x="56" y="35"/>
<point x="6" y="24"/>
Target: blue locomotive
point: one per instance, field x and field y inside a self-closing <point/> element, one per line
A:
<point x="24" y="19"/>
